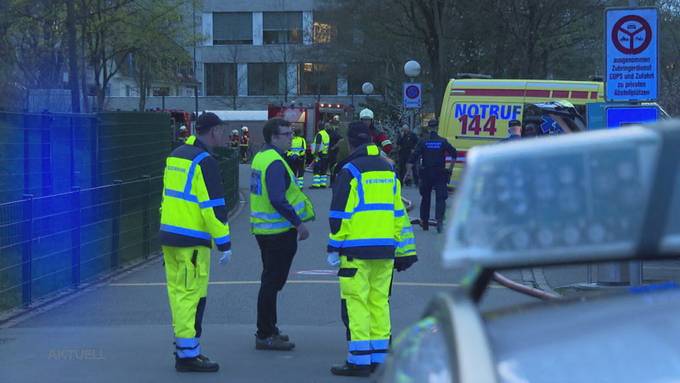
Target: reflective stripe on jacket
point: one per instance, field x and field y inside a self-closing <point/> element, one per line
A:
<point x="264" y="219"/>
<point x="193" y="210"/>
<point x="366" y="216"/>
<point x="322" y="142"/>
<point x="298" y="146"/>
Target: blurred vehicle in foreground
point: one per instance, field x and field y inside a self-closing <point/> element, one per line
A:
<point x="598" y="196"/>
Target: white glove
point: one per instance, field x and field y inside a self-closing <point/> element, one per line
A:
<point x="333" y="259"/>
<point x="225" y="257"/>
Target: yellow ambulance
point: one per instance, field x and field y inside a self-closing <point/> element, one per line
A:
<point x="477" y="111"/>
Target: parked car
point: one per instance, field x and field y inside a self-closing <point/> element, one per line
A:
<point x="591" y="197"/>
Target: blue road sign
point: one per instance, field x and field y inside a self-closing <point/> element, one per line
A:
<point x="618" y="116"/>
<point x="631" y="58"/>
<point x="413" y="95"/>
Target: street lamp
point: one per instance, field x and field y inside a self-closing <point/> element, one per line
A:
<point x="367" y="88"/>
<point x="412" y="70"/>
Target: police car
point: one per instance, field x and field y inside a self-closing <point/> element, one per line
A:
<point x="594" y="197"/>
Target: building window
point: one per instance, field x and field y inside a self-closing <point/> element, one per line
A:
<point x="282" y="27"/>
<point x="323" y="33"/>
<point x="232" y="28"/>
<point x="325" y="28"/>
<point x="318" y="79"/>
<point x="266" y="79"/>
<point x="220" y="79"/>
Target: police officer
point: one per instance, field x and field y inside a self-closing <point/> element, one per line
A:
<point x="514" y="131"/>
<point x="278" y="209"/>
<point x="366" y="191"/>
<point x="193" y="218"/>
<point x="296" y="157"/>
<point x="433" y="175"/>
<point x="321" y="146"/>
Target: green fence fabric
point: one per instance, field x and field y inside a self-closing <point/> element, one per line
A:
<point x="60" y="234"/>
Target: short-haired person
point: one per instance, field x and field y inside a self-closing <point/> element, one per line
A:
<point x="193" y="219"/>
<point x="278" y="209"/>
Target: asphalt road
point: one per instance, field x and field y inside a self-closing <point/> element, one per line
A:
<point x="121" y="331"/>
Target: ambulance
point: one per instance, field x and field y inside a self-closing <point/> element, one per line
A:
<point x="477" y="111"/>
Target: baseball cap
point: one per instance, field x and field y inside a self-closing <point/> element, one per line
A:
<point x="512" y="123"/>
<point x="207" y="121"/>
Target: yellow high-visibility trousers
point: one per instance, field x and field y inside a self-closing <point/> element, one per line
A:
<point x="365" y="286"/>
<point x="187" y="270"/>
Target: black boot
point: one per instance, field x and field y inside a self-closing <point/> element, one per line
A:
<point x="283" y="337"/>
<point x="440" y="225"/>
<point x="199" y="363"/>
<point x="274" y="342"/>
<point x="350" y="369"/>
<point x="425" y="224"/>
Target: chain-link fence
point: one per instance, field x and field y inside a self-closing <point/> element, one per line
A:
<point x="61" y="228"/>
<point x="48" y="153"/>
<point x="53" y="242"/>
<point x="62" y="240"/>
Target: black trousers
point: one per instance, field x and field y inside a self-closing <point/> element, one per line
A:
<point x="433" y="179"/>
<point x="321" y="164"/>
<point x="297" y="165"/>
<point x="332" y="161"/>
<point x="277" y="252"/>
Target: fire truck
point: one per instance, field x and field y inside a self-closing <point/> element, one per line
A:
<point x="311" y="120"/>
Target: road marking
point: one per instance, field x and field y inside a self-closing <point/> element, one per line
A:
<point x="298" y="282"/>
<point x="317" y="272"/>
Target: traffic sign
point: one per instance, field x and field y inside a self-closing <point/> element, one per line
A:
<point x="413" y="95"/>
<point x="619" y="116"/>
<point x="631" y="59"/>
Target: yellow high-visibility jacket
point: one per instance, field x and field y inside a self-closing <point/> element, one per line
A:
<point x="193" y="211"/>
<point x="264" y="218"/>
<point x="367" y="214"/>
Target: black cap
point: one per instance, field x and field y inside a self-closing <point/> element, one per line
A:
<point x="358" y="134"/>
<point x="512" y="123"/>
<point x="207" y="121"/>
<point x="433" y="123"/>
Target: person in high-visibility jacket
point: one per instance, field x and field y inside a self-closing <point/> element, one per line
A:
<point x="193" y="219"/>
<point x="278" y="209"/>
<point x="367" y="192"/>
<point x="296" y="157"/>
<point x="321" y="145"/>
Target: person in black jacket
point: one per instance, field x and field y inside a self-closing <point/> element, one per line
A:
<point x="406" y="142"/>
<point x="433" y="174"/>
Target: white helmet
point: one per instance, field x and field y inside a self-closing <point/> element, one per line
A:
<point x="245" y="128"/>
<point x="234" y="131"/>
<point x="366" y="114"/>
